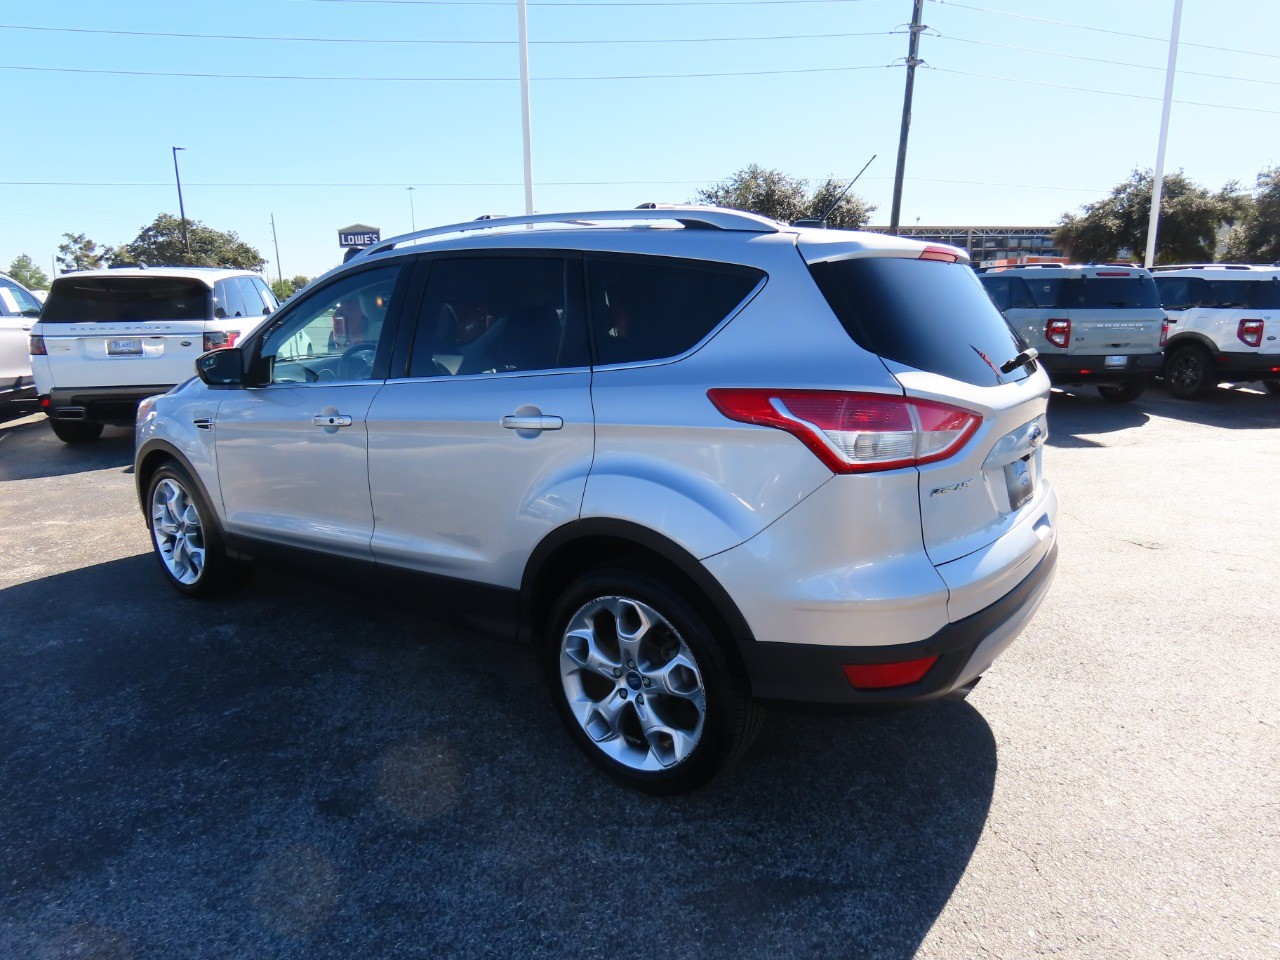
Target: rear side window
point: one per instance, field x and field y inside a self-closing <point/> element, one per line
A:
<point x="926" y="314"/>
<point x="653" y="308"/>
<point x="126" y="300"/>
<point x="16" y="302"/>
<point x="1253" y="294"/>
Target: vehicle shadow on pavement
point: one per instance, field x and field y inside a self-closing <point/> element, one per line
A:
<point x="1234" y="408"/>
<point x="292" y="771"/>
<point x="30" y="451"/>
<point x="1072" y="415"/>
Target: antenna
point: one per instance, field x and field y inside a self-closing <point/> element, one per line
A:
<point x="822" y="220"/>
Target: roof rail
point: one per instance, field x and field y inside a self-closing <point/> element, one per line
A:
<point x="690" y="217"/>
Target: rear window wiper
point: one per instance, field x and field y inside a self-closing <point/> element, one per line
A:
<point x="1024" y="359"/>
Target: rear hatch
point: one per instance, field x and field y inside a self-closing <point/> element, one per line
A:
<point x="124" y="330"/>
<point x="942" y="339"/>
<point x="1110" y="311"/>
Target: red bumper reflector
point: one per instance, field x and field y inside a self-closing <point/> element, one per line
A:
<point x="879" y="676"/>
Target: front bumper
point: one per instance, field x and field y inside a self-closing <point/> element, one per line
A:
<point x="813" y="673"/>
<point x="1069" y="369"/>
<point x="115" y="405"/>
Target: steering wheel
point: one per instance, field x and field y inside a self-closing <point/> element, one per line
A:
<point x="356" y="362"/>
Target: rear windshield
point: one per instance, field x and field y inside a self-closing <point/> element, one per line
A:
<point x="126" y="299"/>
<point x="1087" y="293"/>
<point x="926" y="314"/>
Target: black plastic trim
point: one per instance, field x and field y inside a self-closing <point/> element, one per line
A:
<point x="1065" y="368"/>
<point x="802" y="673"/>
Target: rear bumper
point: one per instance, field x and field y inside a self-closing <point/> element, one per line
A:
<point x="1064" y="369"/>
<point x="114" y="405"/>
<point x="1248" y="366"/>
<point x="813" y="673"/>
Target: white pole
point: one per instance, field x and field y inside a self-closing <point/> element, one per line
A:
<point x="522" y="16"/>
<point x="1157" y="185"/>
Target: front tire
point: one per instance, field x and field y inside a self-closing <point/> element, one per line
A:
<point x="1189" y="373"/>
<point x="1122" y="392"/>
<point x="76" y="431"/>
<point x="643" y="683"/>
<point x="185" y="535"/>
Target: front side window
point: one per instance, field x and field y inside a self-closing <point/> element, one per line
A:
<point x="16" y="302"/>
<point x="496" y="315"/>
<point x="333" y="335"/>
<point x="653" y="308"/>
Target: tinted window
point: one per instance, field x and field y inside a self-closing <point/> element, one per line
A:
<point x="1176" y="292"/>
<point x="1264" y="295"/>
<point x="227" y="299"/>
<point x="1238" y="294"/>
<point x="122" y="299"/>
<point x="268" y="298"/>
<point x="496" y="315"/>
<point x="998" y="290"/>
<point x="249" y="293"/>
<point x="1107" y="293"/>
<point x="926" y="314"/>
<point x="334" y="333"/>
<point x="650" y="308"/>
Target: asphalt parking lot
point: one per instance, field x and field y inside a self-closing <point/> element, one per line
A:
<point x="295" y="772"/>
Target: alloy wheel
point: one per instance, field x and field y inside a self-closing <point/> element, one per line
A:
<point x="176" y="528"/>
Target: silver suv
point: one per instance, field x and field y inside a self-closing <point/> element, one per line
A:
<point x="700" y="459"/>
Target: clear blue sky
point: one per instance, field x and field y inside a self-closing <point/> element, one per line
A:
<point x="1025" y="110"/>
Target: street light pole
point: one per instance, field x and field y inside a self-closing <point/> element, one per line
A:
<point x="182" y="212"/>
<point x="413" y="222"/>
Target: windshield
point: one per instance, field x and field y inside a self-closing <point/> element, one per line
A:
<point x="126" y="300"/>
<point x="926" y="314"/>
<point x="15" y="301"/>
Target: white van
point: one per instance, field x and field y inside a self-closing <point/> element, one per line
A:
<point x="1099" y="324"/>
<point x="108" y="338"/>
<point x="1224" y="326"/>
<point x="18" y="311"/>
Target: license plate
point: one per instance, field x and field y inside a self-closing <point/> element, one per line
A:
<point x="124" y="348"/>
<point x="1114" y="362"/>
<point x="1020" y="481"/>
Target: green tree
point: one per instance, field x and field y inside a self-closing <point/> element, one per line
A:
<point x="1256" y="236"/>
<point x="283" y="289"/>
<point x="24" y="270"/>
<point x="81" y="253"/>
<point x="160" y="244"/>
<point x="772" y="193"/>
<point x="1190" y="217"/>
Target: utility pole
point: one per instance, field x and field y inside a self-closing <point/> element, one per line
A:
<point x="1157" y="185"/>
<point x="912" y="62"/>
<point x="276" y="241"/>
<point x="182" y="212"/>
<point x="522" y="19"/>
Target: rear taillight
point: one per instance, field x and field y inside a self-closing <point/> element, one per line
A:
<point x="1250" y="332"/>
<point x="1058" y="332"/>
<point x="1164" y="332"/>
<point x="879" y="676"/>
<point x="855" y="432"/>
<point x="219" y="339"/>
<point x="36" y="347"/>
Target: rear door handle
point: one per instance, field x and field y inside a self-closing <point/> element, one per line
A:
<point x="541" y="422"/>
<point x="331" y="420"/>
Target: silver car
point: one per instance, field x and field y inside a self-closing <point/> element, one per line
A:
<point x="702" y="460"/>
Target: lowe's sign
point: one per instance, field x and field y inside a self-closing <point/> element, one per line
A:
<point x="359" y="235"/>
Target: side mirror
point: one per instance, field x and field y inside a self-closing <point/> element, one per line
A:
<point x="221" y="368"/>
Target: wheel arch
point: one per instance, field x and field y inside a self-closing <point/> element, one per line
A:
<point x="1191" y="338"/>
<point x="576" y="547"/>
<point x="150" y="457"/>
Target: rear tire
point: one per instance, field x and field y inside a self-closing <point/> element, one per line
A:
<point x="76" y="431"/>
<point x="1273" y="386"/>
<point x="1122" y="392"/>
<point x="644" y="685"/>
<point x="185" y="535"/>
<point x="1189" y="373"/>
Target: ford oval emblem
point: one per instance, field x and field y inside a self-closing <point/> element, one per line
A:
<point x="1037" y="436"/>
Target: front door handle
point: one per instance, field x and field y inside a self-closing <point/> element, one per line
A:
<point x="331" y="420"/>
<point x="539" y="422"/>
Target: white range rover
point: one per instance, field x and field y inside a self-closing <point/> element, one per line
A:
<point x="108" y="338"/>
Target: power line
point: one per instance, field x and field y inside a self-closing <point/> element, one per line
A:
<point x="1114" y="33"/>
<point x="349" y="79"/>
<point x="1114" y="63"/>
<point x="1108" y="93"/>
<point x="445" y="42"/>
